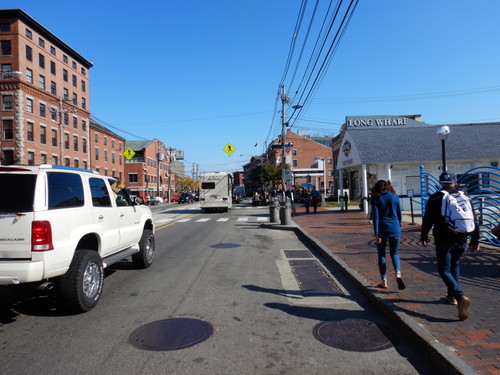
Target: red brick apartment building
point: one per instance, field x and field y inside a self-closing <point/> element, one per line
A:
<point x="306" y="156"/>
<point x="106" y="151"/>
<point x="44" y="88"/>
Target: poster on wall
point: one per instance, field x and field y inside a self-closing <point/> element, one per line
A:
<point x="348" y="155"/>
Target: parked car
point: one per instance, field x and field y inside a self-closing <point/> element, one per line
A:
<point x="186" y="198"/>
<point x="174" y="199"/>
<point x="155" y="200"/>
<point x="237" y="198"/>
<point x="62" y="226"/>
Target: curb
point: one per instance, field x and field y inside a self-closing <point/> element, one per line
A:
<point x="440" y="355"/>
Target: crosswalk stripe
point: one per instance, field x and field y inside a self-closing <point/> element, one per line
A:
<point x="262" y="218"/>
<point x="202" y="220"/>
<point x="163" y="220"/>
<point x="243" y="219"/>
<point x="183" y="220"/>
<point x="224" y="219"/>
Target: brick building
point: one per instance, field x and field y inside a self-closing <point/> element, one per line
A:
<point x="44" y="87"/>
<point x="106" y="151"/>
<point x="149" y="171"/>
<point x="309" y="160"/>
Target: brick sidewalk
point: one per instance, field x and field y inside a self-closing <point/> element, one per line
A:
<point x="349" y="236"/>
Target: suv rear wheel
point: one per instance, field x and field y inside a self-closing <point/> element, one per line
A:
<point x="81" y="287"/>
<point x="144" y="258"/>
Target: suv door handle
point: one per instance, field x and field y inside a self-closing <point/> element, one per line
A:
<point x="122" y="215"/>
<point x="100" y="217"/>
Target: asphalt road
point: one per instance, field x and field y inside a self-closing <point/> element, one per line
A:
<point x="229" y="292"/>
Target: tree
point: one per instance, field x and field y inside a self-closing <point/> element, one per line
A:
<point x="264" y="176"/>
<point x="185" y="184"/>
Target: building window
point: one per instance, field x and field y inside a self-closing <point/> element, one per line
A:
<point x="113" y="157"/>
<point x="43" y="135"/>
<point x="96" y="138"/>
<point x="73" y="80"/>
<point x="55" y="159"/>
<point x="53" y="114"/>
<point x="29" y="34"/>
<point x="29" y="53"/>
<point x="6" y="70"/>
<point x="43" y="158"/>
<point x="83" y="85"/>
<point x="75" y="123"/>
<point x="66" y="141"/>
<point x="29" y="76"/>
<point x="7" y="102"/>
<point x="65" y="94"/>
<point x="294" y="152"/>
<point x="97" y="153"/>
<point x="42" y="110"/>
<point x="41" y="42"/>
<point x="54" y="137"/>
<point x="84" y="145"/>
<point x="66" y="119"/>
<point x="31" y="158"/>
<point x="132" y="177"/>
<point x="84" y="72"/>
<point x="76" y="163"/>
<point x="75" y="99"/>
<point x="8" y="131"/>
<point x="65" y="59"/>
<point x="84" y="103"/>
<point x="294" y="162"/>
<point x="113" y="144"/>
<point x="66" y="162"/>
<point x="30" y="132"/>
<point x="8" y="157"/>
<point x="85" y="164"/>
<point x="73" y="64"/>
<point x="53" y="67"/>
<point x="4" y="26"/>
<point x="65" y="75"/>
<point x="29" y="105"/>
<point x="5" y="49"/>
<point x="53" y="88"/>
<point x="330" y="161"/>
<point x="106" y="156"/>
<point x="75" y="143"/>
<point x="84" y="125"/>
<point x="52" y="50"/>
<point x="105" y="141"/>
<point x="41" y="82"/>
<point x="41" y="61"/>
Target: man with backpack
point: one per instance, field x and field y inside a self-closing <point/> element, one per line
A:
<point x="452" y="214"/>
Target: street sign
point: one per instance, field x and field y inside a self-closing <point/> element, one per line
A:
<point x="229" y="149"/>
<point x="129" y="153"/>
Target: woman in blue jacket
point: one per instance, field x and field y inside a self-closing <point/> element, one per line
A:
<point x="386" y="211"/>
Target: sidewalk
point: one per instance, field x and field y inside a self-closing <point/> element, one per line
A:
<point x="457" y="347"/>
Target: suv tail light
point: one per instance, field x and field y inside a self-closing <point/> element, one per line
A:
<point x="41" y="236"/>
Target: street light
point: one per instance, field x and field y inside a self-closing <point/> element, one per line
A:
<point x="442" y="133"/>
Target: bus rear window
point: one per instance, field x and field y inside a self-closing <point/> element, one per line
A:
<point x="208" y="185"/>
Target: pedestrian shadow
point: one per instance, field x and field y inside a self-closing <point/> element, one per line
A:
<point x="396" y="307"/>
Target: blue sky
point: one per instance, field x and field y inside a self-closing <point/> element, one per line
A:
<point x="200" y="74"/>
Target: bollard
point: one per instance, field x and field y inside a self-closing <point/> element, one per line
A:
<point x="274" y="211"/>
<point x="286" y="211"/>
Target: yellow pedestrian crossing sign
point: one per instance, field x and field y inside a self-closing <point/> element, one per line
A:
<point x="129" y="153"/>
<point x="229" y="149"/>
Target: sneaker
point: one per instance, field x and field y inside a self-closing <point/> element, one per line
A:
<point x="463" y="308"/>
<point x="450" y="300"/>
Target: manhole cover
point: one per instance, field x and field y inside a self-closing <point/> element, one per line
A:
<point x="171" y="334"/>
<point x="225" y="245"/>
<point x="355" y="335"/>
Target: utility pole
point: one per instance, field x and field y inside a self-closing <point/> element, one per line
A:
<point x="61" y="109"/>
<point x="284" y="100"/>
<point x="170" y="150"/>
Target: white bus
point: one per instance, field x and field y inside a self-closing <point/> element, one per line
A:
<point x="216" y="191"/>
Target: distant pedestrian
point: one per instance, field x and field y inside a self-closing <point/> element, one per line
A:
<point x="386" y="217"/>
<point x="450" y="245"/>
<point x="315" y="196"/>
<point x="305" y="199"/>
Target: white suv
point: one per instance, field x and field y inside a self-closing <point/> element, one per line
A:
<point x="61" y="226"/>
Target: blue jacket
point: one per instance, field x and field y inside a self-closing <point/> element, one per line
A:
<point x="387" y="217"/>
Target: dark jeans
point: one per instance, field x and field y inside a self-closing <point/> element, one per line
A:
<point x="448" y="262"/>
<point x="394" y="251"/>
